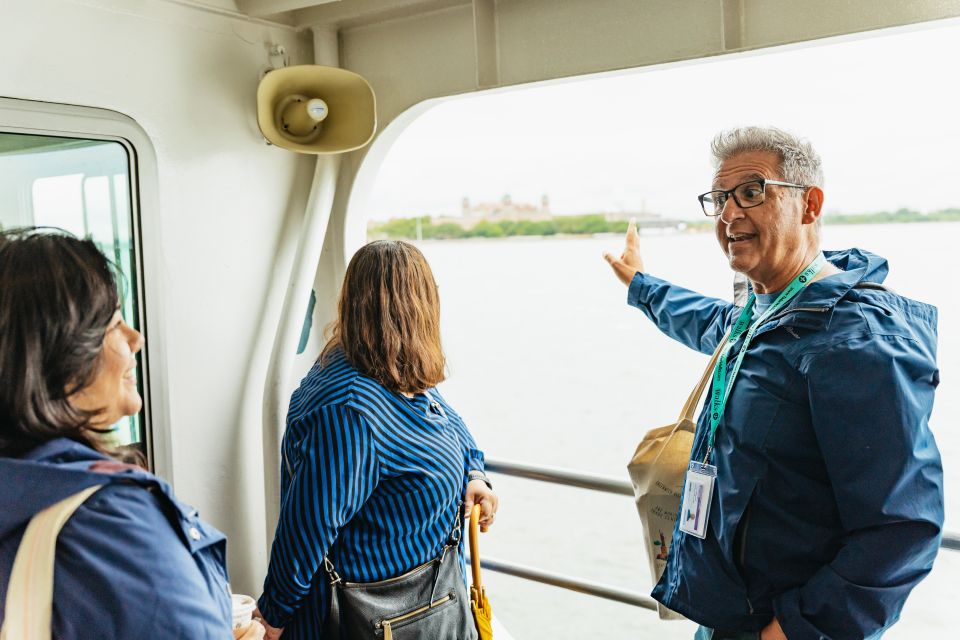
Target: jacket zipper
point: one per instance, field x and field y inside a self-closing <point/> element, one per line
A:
<point x="863" y="285"/>
<point x="766" y="323"/>
<point x="746" y="523"/>
<point x="387" y="623"/>
<point x="787" y="312"/>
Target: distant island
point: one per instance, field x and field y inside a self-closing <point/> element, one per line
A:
<point x="428" y="228"/>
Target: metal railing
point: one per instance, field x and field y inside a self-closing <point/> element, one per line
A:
<point x="571" y="584"/>
<point x="555" y="475"/>
<point x="604" y="484"/>
<point x="950" y="540"/>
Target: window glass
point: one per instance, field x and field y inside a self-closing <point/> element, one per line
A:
<point x="81" y="186"/>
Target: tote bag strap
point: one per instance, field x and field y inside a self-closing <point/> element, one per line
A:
<point x="29" y="604"/>
<point x="694" y="399"/>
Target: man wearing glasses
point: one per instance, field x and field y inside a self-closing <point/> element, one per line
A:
<point x="814" y="499"/>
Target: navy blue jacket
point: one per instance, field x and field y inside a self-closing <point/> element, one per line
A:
<point x="829" y="500"/>
<point x="132" y="562"/>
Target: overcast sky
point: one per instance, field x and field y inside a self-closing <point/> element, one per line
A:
<point x="881" y="110"/>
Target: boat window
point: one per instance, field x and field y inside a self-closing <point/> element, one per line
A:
<point x="514" y="195"/>
<point x="81" y="186"/>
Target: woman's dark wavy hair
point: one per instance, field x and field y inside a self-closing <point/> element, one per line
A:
<point x="388" y="318"/>
<point x="57" y="296"/>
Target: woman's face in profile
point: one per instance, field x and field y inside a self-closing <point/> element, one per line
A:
<point x="113" y="391"/>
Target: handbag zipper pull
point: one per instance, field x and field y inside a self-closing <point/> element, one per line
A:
<point x="387" y="631"/>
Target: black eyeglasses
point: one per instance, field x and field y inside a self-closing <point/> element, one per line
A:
<point x="746" y="195"/>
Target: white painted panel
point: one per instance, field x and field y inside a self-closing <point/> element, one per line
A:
<point x="271" y="7"/>
<point x="412" y="59"/>
<point x="432" y="54"/>
<point x="541" y="40"/>
<point x="769" y="23"/>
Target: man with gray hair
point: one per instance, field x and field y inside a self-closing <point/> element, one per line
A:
<point x="813" y="502"/>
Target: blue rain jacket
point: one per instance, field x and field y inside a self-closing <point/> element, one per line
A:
<point x="828" y="504"/>
<point x="132" y="562"/>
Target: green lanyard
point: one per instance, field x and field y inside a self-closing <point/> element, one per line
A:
<point x="721" y="385"/>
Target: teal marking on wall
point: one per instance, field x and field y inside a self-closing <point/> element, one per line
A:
<point x="307" y="323"/>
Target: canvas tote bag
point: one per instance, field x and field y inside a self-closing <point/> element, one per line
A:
<point x="29" y="603"/>
<point x="657" y="471"/>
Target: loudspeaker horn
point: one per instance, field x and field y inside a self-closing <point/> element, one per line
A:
<point x="315" y="109"/>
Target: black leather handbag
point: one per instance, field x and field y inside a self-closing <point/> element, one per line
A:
<point x="429" y="602"/>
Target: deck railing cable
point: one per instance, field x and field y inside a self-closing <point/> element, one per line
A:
<point x="604" y="484"/>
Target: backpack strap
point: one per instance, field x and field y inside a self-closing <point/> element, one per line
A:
<point x="29" y="603"/>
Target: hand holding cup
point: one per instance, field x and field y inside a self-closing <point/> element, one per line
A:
<point x="244" y="627"/>
<point x="252" y="631"/>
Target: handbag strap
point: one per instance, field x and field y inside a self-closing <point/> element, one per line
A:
<point x="694" y="399"/>
<point x="29" y="605"/>
<point x="452" y="540"/>
<point x="331" y="630"/>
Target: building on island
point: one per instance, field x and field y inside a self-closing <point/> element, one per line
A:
<point x="504" y="209"/>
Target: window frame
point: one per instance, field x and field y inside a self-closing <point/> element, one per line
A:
<point x="71" y="121"/>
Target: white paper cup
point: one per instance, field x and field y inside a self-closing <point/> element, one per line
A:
<point x="243" y="607"/>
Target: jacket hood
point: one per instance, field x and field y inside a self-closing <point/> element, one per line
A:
<point x="860" y="264"/>
<point x="857" y="267"/>
<point x="860" y="272"/>
<point x="47" y="474"/>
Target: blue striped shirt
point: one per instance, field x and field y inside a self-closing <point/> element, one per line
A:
<point x="370" y="478"/>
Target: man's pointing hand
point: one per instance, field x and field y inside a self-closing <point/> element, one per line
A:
<point x="629" y="261"/>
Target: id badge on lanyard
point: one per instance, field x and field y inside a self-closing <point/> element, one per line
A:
<point x="697" y="494"/>
<point x="702" y="476"/>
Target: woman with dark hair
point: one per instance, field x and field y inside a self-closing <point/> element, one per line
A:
<point x="132" y="561"/>
<point x="375" y="462"/>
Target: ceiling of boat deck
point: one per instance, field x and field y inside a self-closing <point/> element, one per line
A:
<point x="782" y="20"/>
<point x="420" y="49"/>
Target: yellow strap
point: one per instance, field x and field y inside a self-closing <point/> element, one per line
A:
<point x="29" y="602"/>
<point x="474" y="546"/>
<point x="693" y="400"/>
